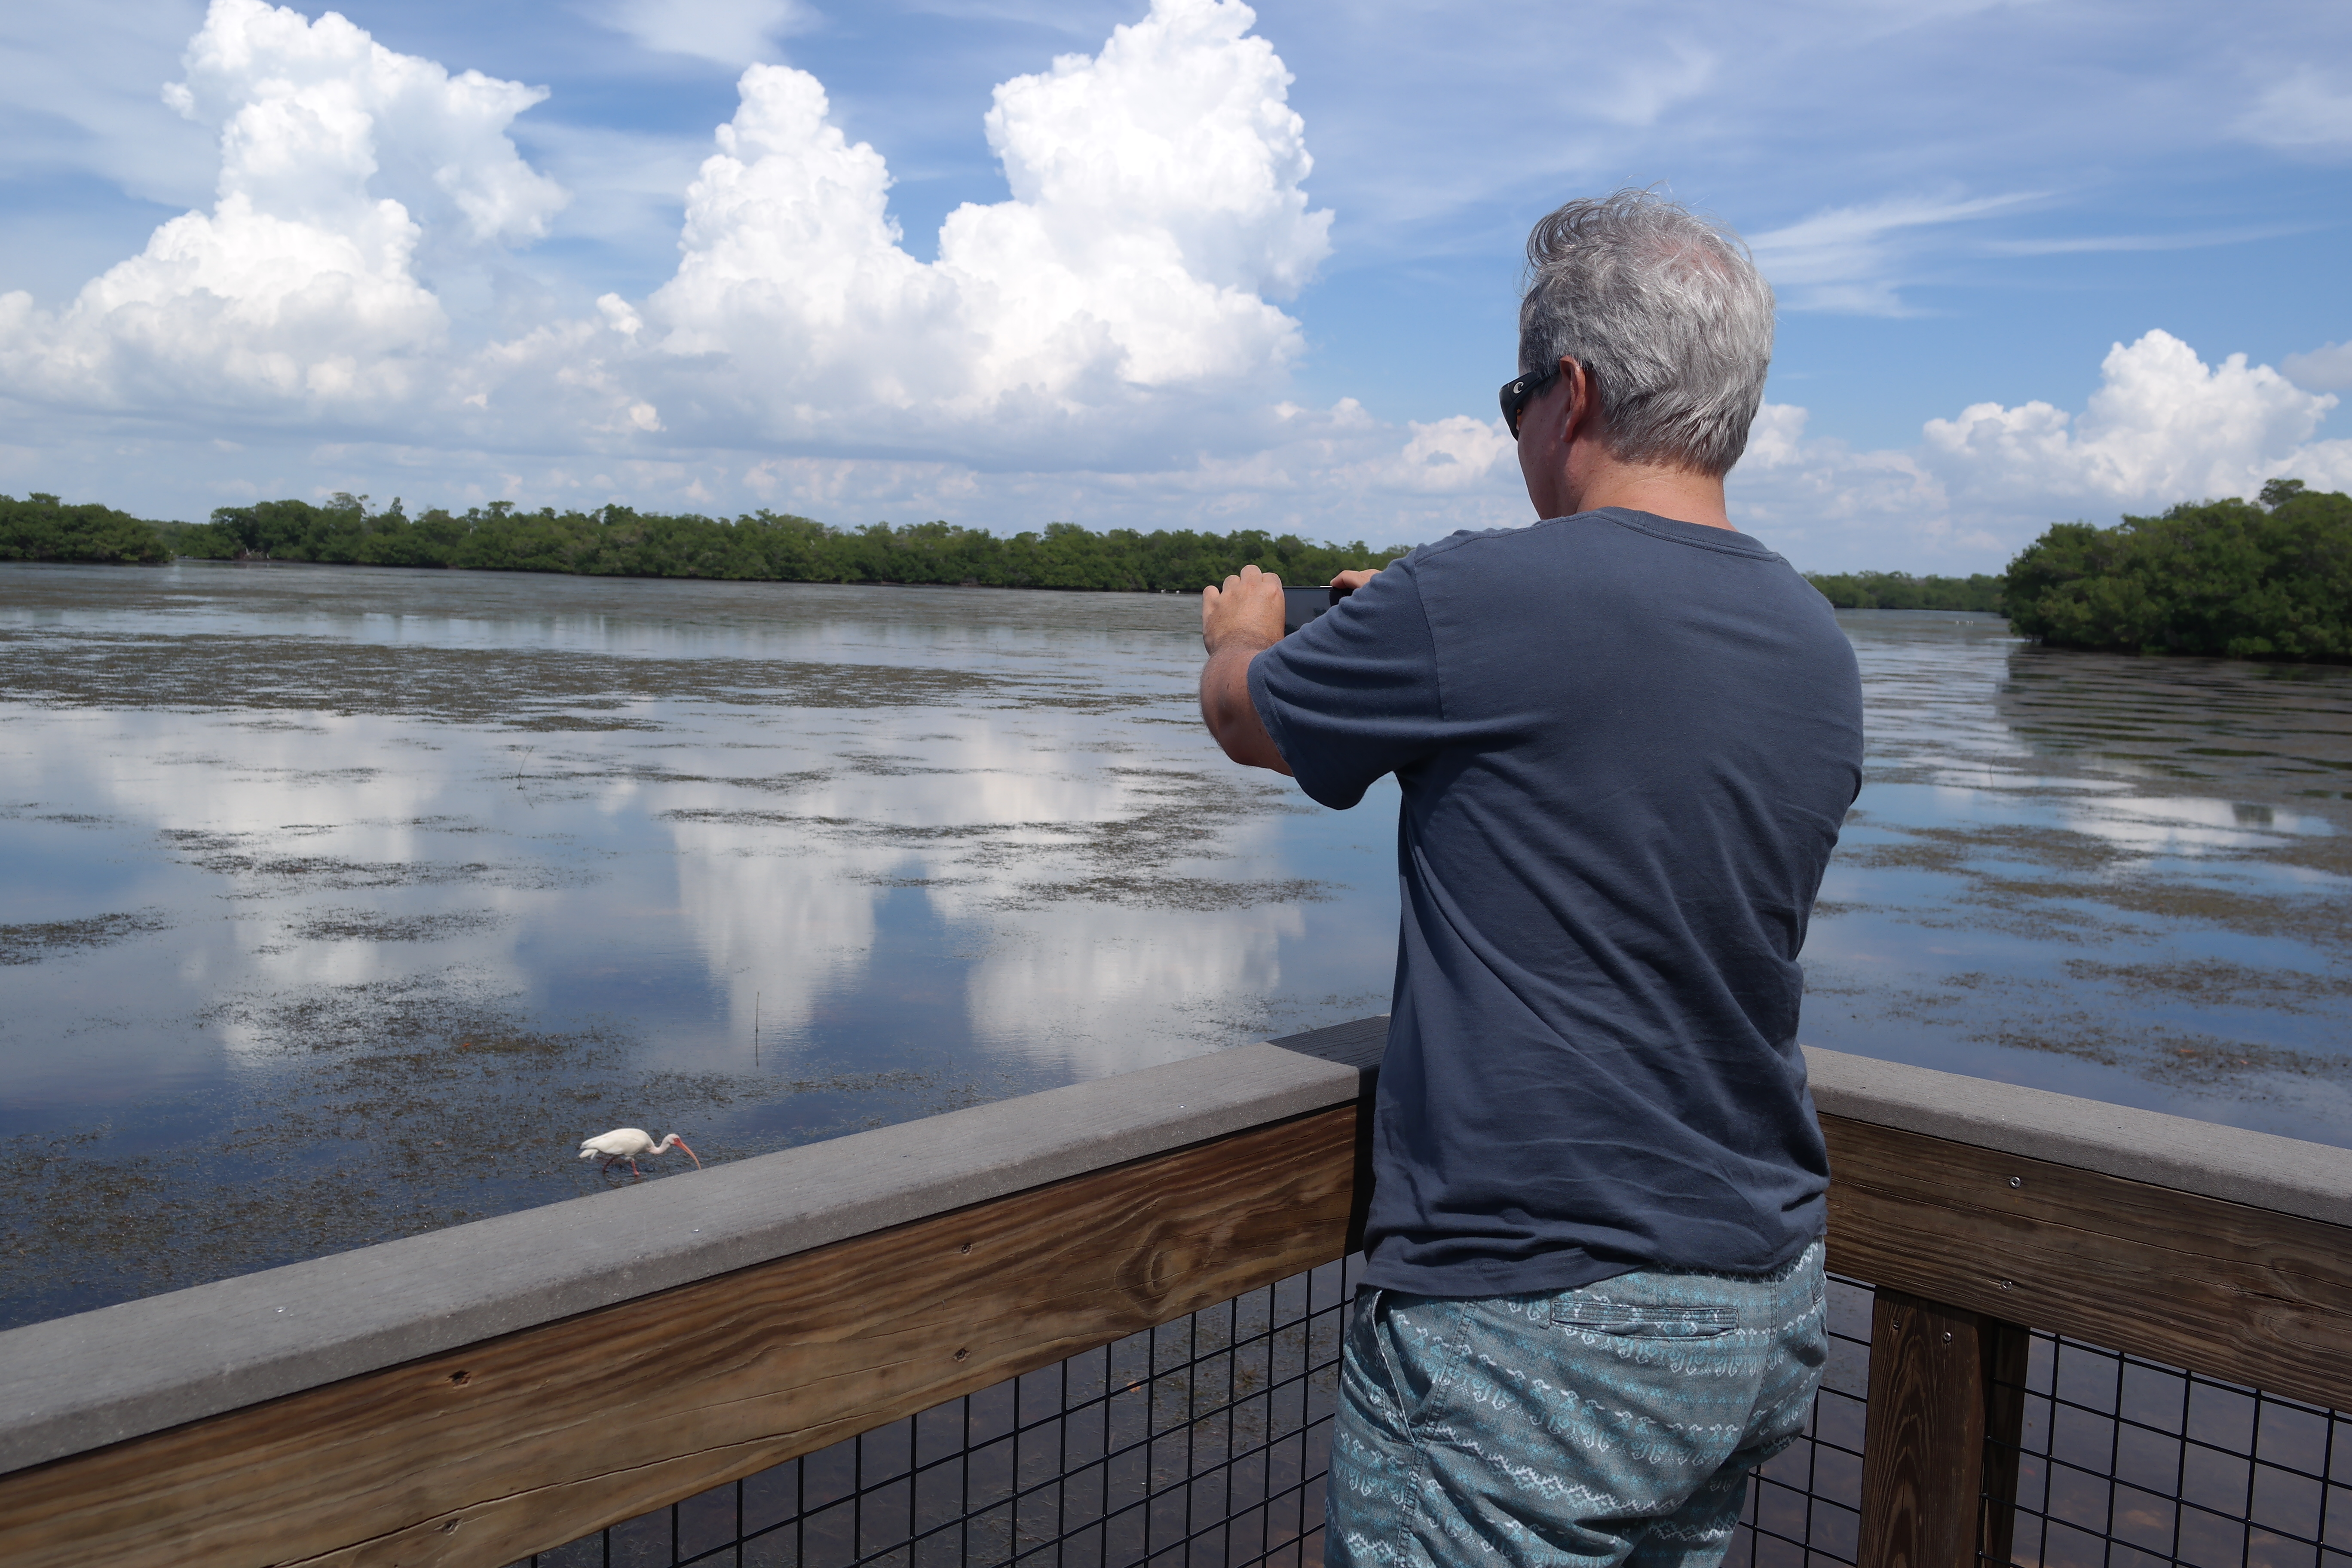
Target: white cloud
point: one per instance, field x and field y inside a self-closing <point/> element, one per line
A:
<point x="1119" y="302"/>
<point x="1453" y="455"/>
<point x="1824" y="505"/>
<point x="2164" y="426"/>
<point x="1107" y="344"/>
<point x="297" y="294"/>
<point x="1637" y="92"/>
<point x="1156" y="206"/>
<point x="731" y="32"/>
<point x="2103" y="244"/>
<point x="2327" y="368"/>
<point x="2308" y="111"/>
<point x="317" y="119"/>
<point x="1850" y="259"/>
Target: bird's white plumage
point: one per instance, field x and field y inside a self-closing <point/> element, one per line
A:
<point x="632" y="1145"/>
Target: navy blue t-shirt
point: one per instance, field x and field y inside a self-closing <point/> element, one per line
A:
<point x="1626" y="745"/>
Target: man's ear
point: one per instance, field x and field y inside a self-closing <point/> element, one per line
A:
<point x="1583" y="414"/>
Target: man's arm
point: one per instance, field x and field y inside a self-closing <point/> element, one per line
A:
<point x="1238" y="622"/>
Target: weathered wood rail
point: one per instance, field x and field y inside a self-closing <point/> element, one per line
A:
<point x="476" y="1394"/>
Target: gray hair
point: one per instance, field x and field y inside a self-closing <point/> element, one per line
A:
<point x="1668" y="316"/>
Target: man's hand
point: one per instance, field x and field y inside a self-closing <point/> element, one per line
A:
<point x="1351" y="580"/>
<point x="1248" y="606"/>
<point x="1238" y="622"/>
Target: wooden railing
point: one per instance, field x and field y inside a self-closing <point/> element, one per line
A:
<point x="473" y="1396"/>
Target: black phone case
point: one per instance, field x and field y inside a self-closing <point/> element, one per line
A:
<point x="1301" y="606"/>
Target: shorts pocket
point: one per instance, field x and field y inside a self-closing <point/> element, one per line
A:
<point x="1643" y="1320"/>
<point x="1378" y="1336"/>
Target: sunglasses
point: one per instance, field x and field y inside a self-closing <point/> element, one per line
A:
<point x="1517" y="395"/>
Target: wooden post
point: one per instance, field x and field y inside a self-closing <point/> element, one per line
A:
<point x="2004" y="1351"/>
<point x="1922" y="1448"/>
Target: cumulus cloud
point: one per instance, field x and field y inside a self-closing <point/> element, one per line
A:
<point x="1157" y="207"/>
<point x="2163" y="426"/>
<point x="1451" y="455"/>
<point x="1119" y="307"/>
<point x="1104" y="343"/>
<point x="297" y="294"/>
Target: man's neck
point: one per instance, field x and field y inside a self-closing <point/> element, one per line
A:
<point x="1673" y="493"/>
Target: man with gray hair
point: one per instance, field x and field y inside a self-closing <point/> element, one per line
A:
<point x="1625" y="737"/>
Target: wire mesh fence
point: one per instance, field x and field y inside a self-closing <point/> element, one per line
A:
<point x="1200" y="1442"/>
<point x="1203" y="1444"/>
<point x="2123" y="1462"/>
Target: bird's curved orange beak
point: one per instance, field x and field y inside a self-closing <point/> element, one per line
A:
<point x="688" y="1153"/>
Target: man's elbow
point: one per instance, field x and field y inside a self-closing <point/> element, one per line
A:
<point x="1252" y="747"/>
<point x="1234" y="723"/>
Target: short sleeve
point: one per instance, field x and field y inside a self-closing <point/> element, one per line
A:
<point x="1354" y="693"/>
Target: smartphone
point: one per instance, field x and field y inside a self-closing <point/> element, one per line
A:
<point x="1301" y="606"/>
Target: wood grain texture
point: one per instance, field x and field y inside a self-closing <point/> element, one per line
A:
<point x="476" y="1458"/>
<point x="1923" y="1445"/>
<point x="2227" y="1289"/>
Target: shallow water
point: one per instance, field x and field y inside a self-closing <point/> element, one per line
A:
<point x="2120" y="878"/>
<point x="341" y="903"/>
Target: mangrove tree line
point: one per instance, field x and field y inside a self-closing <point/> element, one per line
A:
<point x="617" y="540"/>
<point x="43" y="528"/>
<point x="2265" y="579"/>
<point x="766" y="546"/>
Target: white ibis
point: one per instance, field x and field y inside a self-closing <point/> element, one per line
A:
<point x="633" y="1144"/>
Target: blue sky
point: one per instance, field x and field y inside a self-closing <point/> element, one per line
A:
<point x="2016" y="247"/>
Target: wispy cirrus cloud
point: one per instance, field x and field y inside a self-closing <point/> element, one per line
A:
<point x="2309" y="111"/>
<point x="2119" y="244"/>
<point x="2327" y="368"/>
<point x="1855" y="258"/>
<point x="734" y="33"/>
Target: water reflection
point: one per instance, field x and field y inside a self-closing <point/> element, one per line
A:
<point x="343" y="903"/>
<point x="2123" y="878"/>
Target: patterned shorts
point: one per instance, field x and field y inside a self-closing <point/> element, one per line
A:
<point x="1611" y="1425"/>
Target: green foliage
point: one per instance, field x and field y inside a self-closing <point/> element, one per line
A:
<point x="2220" y="578"/>
<point x="619" y="542"/>
<point x="1901" y="591"/>
<point x="43" y="528"/>
<point x="766" y="546"/>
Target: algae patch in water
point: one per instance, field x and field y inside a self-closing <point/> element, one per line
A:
<point x="1952" y="848"/>
<point x="379" y="1111"/>
<point x="2195" y="1060"/>
<point x="1199" y="893"/>
<point x="377" y="925"/>
<point x="2212" y="983"/>
<point x="268" y="871"/>
<point x="2321" y="920"/>
<point x="47" y="939"/>
<point x="534" y="690"/>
